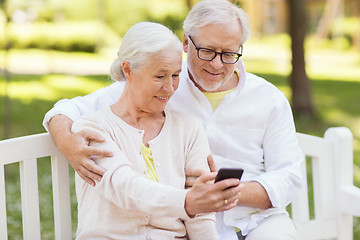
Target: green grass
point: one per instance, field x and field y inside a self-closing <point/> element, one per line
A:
<point x="335" y="85"/>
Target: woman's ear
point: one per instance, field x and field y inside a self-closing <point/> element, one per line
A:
<point x="127" y="70"/>
<point x="185" y="43"/>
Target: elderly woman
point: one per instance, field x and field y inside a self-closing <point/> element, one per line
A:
<point x="142" y="195"/>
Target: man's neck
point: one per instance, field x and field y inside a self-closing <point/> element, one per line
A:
<point x="231" y="83"/>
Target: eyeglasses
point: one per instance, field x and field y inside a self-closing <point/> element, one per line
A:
<point x="209" y="54"/>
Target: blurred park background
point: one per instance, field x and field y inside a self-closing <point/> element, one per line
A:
<point x="54" y="49"/>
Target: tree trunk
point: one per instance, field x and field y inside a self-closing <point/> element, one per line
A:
<point x="299" y="82"/>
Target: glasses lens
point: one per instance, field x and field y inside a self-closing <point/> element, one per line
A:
<point x="229" y="57"/>
<point x="206" y="54"/>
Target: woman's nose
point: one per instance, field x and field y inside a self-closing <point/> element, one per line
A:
<point x="169" y="85"/>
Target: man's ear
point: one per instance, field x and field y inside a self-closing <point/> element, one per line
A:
<point x="127" y="70"/>
<point x="185" y="43"/>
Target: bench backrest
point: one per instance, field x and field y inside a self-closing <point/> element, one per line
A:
<point x="332" y="213"/>
<point x="26" y="150"/>
<point x="331" y="161"/>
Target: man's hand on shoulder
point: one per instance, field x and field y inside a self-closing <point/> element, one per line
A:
<point x="75" y="147"/>
<point x="79" y="153"/>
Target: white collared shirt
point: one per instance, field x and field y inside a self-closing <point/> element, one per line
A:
<point x="252" y="128"/>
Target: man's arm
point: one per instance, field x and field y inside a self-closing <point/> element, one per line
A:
<point x="282" y="156"/>
<point x="253" y="194"/>
<point x="75" y="147"/>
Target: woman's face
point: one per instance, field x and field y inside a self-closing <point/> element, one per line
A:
<point x="153" y="85"/>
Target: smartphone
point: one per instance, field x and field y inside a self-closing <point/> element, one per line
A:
<point x="225" y="173"/>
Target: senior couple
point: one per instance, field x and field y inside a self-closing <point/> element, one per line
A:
<point x="166" y="124"/>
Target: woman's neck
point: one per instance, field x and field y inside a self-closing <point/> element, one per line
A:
<point x="127" y="109"/>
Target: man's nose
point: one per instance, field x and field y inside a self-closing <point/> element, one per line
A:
<point x="216" y="62"/>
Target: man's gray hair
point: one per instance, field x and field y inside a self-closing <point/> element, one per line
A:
<point x="208" y="12"/>
<point x="139" y="44"/>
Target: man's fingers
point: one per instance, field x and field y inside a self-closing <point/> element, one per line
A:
<point x="93" y="171"/>
<point x="93" y="151"/>
<point x="91" y="135"/>
<point x="85" y="178"/>
<point x="211" y="163"/>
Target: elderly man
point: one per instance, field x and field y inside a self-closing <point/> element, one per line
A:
<point x="248" y="122"/>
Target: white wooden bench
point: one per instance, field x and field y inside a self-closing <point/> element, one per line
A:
<point x="336" y="199"/>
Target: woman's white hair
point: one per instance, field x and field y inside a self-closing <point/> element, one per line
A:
<point x="216" y="12"/>
<point x="140" y="43"/>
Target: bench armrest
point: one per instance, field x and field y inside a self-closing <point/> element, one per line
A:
<point x="349" y="200"/>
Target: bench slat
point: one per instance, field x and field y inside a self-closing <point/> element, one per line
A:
<point x="300" y="206"/>
<point x="61" y="193"/>
<point x="323" y="177"/>
<point x="30" y="199"/>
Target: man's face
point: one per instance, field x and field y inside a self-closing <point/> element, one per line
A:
<point x="214" y="75"/>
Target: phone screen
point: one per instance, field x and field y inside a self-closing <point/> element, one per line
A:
<point x="225" y="173"/>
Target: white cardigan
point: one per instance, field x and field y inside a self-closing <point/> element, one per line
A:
<point x="125" y="204"/>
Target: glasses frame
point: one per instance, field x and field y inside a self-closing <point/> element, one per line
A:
<point x="216" y="53"/>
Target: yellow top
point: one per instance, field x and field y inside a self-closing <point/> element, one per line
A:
<point x="215" y="98"/>
<point x="151" y="172"/>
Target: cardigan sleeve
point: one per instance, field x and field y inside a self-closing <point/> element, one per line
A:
<point x="202" y="225"/>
